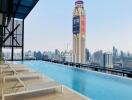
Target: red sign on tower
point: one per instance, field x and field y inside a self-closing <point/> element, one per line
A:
<point x="82" y="24"/>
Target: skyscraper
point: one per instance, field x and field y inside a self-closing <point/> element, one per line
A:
<point x="108" y="61"/>
<point x="79" y="32"/>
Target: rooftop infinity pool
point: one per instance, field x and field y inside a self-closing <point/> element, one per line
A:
<point x="97" y="86"/>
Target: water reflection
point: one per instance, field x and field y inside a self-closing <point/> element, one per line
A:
<point x="78" y="81"/>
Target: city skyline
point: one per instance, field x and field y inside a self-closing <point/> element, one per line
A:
<point x="105" y="27"/>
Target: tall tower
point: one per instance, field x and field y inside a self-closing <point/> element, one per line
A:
<point x="79" y="32"/>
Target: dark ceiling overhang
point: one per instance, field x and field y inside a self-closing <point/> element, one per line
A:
<point x="21" y="8"/>
<point x="17" y="8"/>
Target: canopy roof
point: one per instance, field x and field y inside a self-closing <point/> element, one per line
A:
<point x="21" y="8"/>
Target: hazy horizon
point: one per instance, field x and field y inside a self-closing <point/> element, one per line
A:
<point x="49" y="25"/>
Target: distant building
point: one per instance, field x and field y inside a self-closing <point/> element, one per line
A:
<point x="38" y="55"/>
<point x="48" y="55"/>
<point x="68" y="56"/>
<point x="115" y="55"/>
<point x="17" y="55"/>
<point x="7" y="55"/>
<point x="108" y="61"/>
<point x="79" y="32"/>
<point x="87" y="55"/>
<point x="127" y="62"/>
<point x="57" y="55"/>
<point x="57" y="52"/>
<point x="122" y="54"/>
<point x="29" y="55"/>
<point x="98" y="57"/>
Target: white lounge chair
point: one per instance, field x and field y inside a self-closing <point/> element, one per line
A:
<point x="24" y="75"/>
<point x="11" y="68"/>
<point x="36" y="87"/>
<point x="8" y="70"/>
<point x="3" y="66"/>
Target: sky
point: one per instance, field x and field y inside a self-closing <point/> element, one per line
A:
<point x="109" y="23"/>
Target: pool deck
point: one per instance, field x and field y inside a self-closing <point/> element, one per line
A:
<point x="67" y="94"/>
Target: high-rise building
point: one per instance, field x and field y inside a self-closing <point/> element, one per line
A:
<point x="87" y="55"/>
<point x="115" y="54"/>
<point x="108" y="62"/>
<point x="98" y="57"/>
<point x="79" y="32"/>
<point x="68" y="56"/>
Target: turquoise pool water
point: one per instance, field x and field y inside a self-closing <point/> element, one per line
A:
<point x="95" y="85"/>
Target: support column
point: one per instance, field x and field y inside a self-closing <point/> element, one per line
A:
<point x="1" y="38"/>
<point x="22" y="40"/>
<point x="12" y="49"/>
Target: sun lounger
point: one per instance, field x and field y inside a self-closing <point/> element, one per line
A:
<point x="3" y="66"/>
<point x="25" y="75"/>
<point x="17" y="70"/>
<point x="36" y="87"/>
<point x="10" y="68"/>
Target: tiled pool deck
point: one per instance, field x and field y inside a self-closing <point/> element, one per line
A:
<point x="43" y="95"/>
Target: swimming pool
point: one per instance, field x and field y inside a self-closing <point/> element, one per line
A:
<point x="95" y="85"/>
